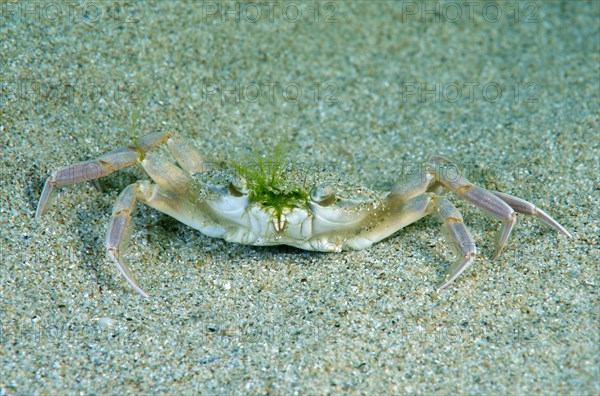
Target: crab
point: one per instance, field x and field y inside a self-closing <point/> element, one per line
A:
<point x="285" y="204"/>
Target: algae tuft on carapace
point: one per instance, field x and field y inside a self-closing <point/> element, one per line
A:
<point x="271" y="182"/>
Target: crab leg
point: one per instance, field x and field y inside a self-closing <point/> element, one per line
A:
<point x="121" y="223"/>
<point x="396" y="215"/>
<point x="119" y="230"/>
<point x="417" y="184"/>
<point x="413" y="192"/>
<point x="520" y="205"/>
<point x="102" y="166"/>
<point x="459" y="234"/>
<point x="446" y="173"/>
<point x="166" y="175"/>
<point x="159" y="197"/>
<point x="186" y="155"/>
<point x="497" y="205"/>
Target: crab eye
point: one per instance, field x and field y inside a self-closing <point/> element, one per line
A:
<point x="323" y="196"/>
<point x="235" y="190"/>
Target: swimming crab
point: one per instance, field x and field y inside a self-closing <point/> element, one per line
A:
<point x="276" y="204"/>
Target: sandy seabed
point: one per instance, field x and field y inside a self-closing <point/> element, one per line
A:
<point x="509" y="91"/>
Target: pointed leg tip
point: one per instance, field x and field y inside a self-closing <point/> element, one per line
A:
<point x="441" y="286"/>
<point x="124" y="270"/>
<point x="546" y="218"/>
<point x="563" y="231"/>
<point x="46" y="198"/>
<point x="496" y="254"/>
<point x="503" y="235"/>
<point x="41" y="209"/>
<point x="455" y="271"/>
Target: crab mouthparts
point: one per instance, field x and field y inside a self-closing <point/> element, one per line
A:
<point x="279" y="219"/>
